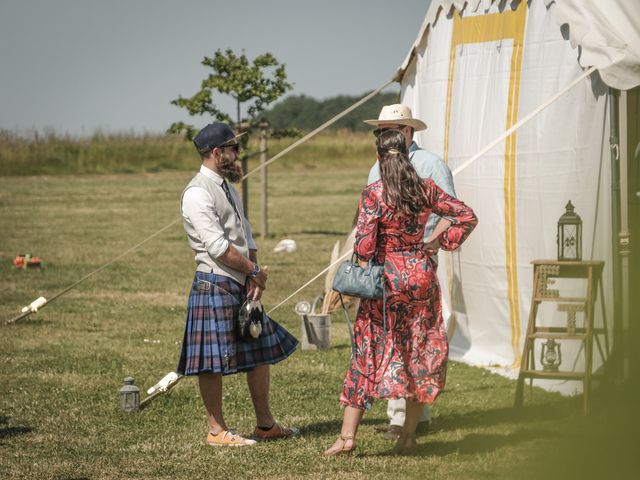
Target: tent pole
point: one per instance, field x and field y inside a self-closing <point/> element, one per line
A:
<point x="617" y="353"/>
<point x="623" y="237"/>
<point x="633" y="191"/>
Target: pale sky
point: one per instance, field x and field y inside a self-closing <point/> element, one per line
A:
<point x="75" y="66"/>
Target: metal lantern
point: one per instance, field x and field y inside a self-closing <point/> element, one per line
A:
<point x="550" y="356"/>
<point x="569" y="235"/>
<point x="129" y="396"/>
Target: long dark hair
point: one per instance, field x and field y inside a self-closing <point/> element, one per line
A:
<point x="403" y="188"/>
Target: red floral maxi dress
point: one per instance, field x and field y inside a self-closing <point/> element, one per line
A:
<point x="409" y="360"/>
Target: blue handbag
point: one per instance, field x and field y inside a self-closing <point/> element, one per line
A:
<point x="355" y="281"/>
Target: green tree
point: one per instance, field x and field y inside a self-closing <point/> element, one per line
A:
<point x="259" y="83"/>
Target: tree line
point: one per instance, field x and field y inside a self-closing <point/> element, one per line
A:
<point x="306" y="113"/>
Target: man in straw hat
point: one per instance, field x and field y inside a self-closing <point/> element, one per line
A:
<point x="428" y="165"/>
<point x="227" y="272"/>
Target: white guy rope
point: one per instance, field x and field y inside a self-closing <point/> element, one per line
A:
<point x="28" y="310"/>
<point x="347" y="254"/>
<point x="42" y="302"/>
<point x="524" y="120"/>
<point x="455" y="172"/>
<point x="504" y="135"/>
<point x="460" y="168"/>
<point x="320" y="128"/>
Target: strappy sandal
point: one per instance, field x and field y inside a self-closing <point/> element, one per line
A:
<point x="406" y="443"/>
<point x="340" y="446"/>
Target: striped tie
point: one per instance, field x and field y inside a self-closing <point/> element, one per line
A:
<point x="227" y="192"/>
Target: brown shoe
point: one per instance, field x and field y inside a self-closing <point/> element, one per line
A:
<point x="276" y="432"/>
<point x="381" y="428"/>
<point x="393" y="433"/>
<point x="423" y="427"/>
<point x="406" y="444"/>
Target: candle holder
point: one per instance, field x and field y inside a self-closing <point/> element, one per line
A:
<point x="129" y="396"/>
<point x="550" y="356"/>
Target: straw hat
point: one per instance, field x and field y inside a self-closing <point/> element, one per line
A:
<point x="398" y="114"/>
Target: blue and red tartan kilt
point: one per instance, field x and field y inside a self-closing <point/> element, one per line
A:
<point x="210" y="342"/>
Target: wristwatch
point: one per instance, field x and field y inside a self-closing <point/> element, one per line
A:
<point x="255" y="271"/>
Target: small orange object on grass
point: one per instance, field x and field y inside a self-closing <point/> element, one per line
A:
<point x="26" y="260"/>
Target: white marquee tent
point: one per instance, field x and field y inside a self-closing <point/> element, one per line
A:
<point x="476" y="69"/>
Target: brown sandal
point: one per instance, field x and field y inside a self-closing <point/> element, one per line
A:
<point x="340" y="446"/>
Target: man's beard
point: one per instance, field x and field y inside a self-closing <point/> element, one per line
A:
<point x="230" y="169"/>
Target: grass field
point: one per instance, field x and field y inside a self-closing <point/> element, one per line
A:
<point x="61" y="368"/>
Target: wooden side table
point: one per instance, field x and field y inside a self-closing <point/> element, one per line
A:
<point x="544" y="273"/>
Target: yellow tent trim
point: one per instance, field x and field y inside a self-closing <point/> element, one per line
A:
<point x="508" y="25"/>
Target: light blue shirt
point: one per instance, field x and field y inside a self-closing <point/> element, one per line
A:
<point x="428" y="165"/>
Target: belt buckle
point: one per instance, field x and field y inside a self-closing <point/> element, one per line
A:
<point x="203" y="286"/>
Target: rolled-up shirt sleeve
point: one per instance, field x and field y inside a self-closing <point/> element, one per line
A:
<point x="199" y="211"/>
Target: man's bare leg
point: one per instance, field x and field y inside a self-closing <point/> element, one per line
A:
<point x="258" y="381"/>
<point x="211" y="392"/>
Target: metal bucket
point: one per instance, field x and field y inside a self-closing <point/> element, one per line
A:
<point x="315" y="331"/>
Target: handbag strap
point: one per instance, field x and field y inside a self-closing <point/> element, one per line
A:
<point x="367" y="269"/>
<point x="350" y="328"/>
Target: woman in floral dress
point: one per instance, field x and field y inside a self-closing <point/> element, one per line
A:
<point x="407" y="358"/>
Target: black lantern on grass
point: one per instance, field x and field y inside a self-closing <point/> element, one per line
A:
<point x="129" y="396"/>
<point x="569" y="235"/>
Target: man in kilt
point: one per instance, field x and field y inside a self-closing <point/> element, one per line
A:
<point x="227" y="273"/>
